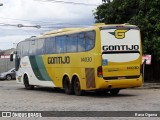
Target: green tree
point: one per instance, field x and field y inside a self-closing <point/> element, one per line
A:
<point x="143" y="13"/>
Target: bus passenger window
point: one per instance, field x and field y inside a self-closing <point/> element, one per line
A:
<point x="61" y="44"/>
<point x="25" y="48"/>
<point x="72" y="43"/>
<point x="81" y="42"/>
<point x="33" y="47"/>
<point x="90" y="39"/>
<point x="50" y="45"/>
<point x="40" y="48"/>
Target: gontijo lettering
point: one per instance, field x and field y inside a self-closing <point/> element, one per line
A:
<point x="121" y="48"/>
<point x="59" y="60"/>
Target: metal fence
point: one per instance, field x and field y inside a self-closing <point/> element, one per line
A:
<point x="152" y="72"/>
<point x="6" y="64"/>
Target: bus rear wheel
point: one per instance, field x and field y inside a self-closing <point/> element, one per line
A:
<point x="68" y="88"/>
<point x="114" y="91"/>
<point x="77" y="87"/>
<point x="26" y="83"/>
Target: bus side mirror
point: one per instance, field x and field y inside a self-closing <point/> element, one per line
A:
<point x="11" y="57"/>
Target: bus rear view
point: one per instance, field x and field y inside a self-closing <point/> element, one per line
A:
<point x="121" y="56"/>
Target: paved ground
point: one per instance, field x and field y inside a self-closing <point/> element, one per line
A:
<point x="13" y="96"/>
<point x="151" y="86"/>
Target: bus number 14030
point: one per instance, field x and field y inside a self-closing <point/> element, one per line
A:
<point x="86" y="59"/>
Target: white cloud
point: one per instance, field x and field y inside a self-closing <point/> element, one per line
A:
<point x="48" y="12"/>
<point x="34" y="10"/>
<point x="8" y="42"/>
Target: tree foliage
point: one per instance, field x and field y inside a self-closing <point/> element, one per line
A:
<point x="143" y="13"/>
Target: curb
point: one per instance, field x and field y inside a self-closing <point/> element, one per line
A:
<point x="150" y="86"/>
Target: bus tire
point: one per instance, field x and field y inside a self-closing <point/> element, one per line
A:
<point x="77" y="87"/>
<point x="114" y="91"/>
<point x="26" y="83"/>
<point x="68" y="88"/>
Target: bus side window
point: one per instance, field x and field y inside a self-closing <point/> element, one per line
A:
<point x="72" y="43"/>
<point x="33" y="47"/>
<point x="50" y="45"/>
<point x="90" y="40"/>
<point x="25" y="48"/>
<point x="61" y="44"/>
<point x="40" y="47"/>
<point x="81" y="42"/>
<point x="53" y="42"/>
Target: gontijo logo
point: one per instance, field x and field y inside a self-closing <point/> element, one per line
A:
<point x="119" y="34"/>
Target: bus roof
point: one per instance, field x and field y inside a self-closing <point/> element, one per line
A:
<point x="74" y="30"/>
<point x="97" y="25"/>
<point x="61" y="31"/>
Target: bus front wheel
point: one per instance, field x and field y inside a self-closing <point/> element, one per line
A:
<point x="77" y="87"/>
<point x="26" y="83"/>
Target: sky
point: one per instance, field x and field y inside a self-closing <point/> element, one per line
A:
<point x="46" y="13"/>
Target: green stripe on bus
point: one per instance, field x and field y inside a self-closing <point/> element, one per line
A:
<point x="35" y="68"/>
<point x="42" y="68"/>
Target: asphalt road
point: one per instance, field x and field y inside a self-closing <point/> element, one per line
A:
<point x="13" y="97"/>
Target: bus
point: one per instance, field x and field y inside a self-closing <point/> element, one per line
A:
<point x="102" y="57"/>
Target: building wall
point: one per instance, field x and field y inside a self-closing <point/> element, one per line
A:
<point x="6" y="64"/>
